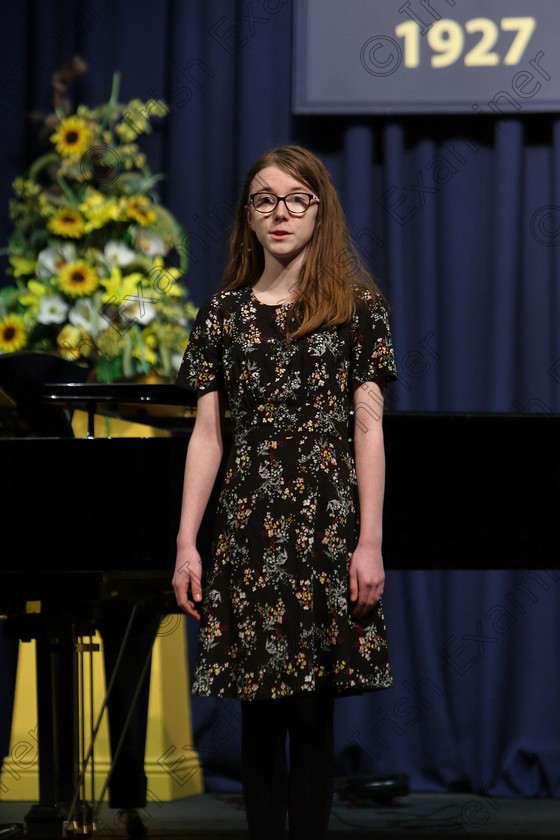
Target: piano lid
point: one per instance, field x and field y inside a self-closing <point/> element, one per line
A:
<point x="165" y="406"/>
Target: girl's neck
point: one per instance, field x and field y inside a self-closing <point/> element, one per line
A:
<point x="278" y="280"/>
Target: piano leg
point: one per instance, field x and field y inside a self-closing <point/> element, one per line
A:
<point x="57" y="690"/>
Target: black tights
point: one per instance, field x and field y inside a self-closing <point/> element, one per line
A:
<point x="270" y="791"/>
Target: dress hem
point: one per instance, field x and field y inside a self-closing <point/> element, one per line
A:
<point x="348" y="691"/>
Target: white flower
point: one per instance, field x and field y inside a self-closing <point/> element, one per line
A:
<point x="117" y="253"/>
<point x="142" y="312"/>
<point x="50" y="260"/>
<point x="176" y="359"/>
<point x="52" y="309"/>
<point x="84" y="315"/>
<point x="151" y="244"/>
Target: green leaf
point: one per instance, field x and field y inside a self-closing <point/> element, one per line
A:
<point x="68" y="192"/>
<point x="143" y="361"/>
<point x="10" y="296"/>
<point x="136" y="184"/>
<point x="41" y="163"/>
<point x="168" y="226"/>
<point x="148" y="182"/>
<point x="165" y="358"/>
<point x="38" y="239"/>
<point x="113" y="99"/>
<point x="128" y="370"/>
<point x="108" y="370"/>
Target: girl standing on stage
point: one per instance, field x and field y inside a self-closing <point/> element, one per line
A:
<point x="295" y="343"/>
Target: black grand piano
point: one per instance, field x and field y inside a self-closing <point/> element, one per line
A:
<point x="96" y="518"/>
<point x="87" y="521"/>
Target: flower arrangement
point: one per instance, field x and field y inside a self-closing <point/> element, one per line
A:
<point x="95" y="257"/>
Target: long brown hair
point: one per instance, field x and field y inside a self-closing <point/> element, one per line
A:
<point x="332" y="271"/>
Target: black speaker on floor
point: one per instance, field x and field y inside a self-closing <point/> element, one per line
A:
<point x="362" y="790"/>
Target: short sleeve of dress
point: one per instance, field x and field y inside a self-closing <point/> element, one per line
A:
<point x="373" y="359"/>
<point x="201" y="369"/>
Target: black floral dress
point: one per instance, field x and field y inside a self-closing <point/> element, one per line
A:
<point x="276" y="617"/>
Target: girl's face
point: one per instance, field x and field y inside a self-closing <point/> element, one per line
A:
<point x="283" y="235"/>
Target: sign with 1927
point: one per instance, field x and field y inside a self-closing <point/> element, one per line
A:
<point x="399" y="56"/>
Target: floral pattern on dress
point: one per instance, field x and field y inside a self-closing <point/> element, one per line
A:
<point x="276" y="616"/>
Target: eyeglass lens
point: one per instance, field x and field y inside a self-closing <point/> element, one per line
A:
<point x="295" y="202"/>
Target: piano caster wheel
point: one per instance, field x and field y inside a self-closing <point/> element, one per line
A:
<point x="80" y="824"/>
<point x="132" y="822"/>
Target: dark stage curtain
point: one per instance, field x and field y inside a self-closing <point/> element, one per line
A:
<point x="458" y="217"/>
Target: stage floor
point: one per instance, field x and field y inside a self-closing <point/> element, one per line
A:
<point x="419" y="815"/>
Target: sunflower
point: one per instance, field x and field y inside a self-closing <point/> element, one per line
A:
<point x="72" y="137"/>
<point x="67" y="222"/>
<point x="139" y="208"/>
<point x="77" y="279"/>
<point x="12" y="334"/>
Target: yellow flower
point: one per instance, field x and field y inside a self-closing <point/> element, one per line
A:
<point x="149" y="355"/>
<point x="157" y="108"/>
<point x="22" y="266"/>
<point x="136" y="117"/>
<point x="72" y="137"/>
<point x="67" y="222"/>
<point x="93" y="198"/>
<point x="163" y="279"/>
<point x="32" y="299"/>
<point x="69" y="342"/>
<point x="77" y="279"/>
<point x="44" y="206"/>
<point x="125" y="132"/>
<point x="24" y="188"/>
<point x="84" y="111"/>
<point x="139" y="208"/>
<point x="99" y="214"/>
<point x="16" y="208"/>
<point x="12" y="334"/>
<point x="110" y="343"/>
<point x="117" y="287"/>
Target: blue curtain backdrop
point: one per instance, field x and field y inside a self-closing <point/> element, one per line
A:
<point x="459" y="219"/>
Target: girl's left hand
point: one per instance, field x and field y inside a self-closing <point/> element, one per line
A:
<point x="367" y="578"/>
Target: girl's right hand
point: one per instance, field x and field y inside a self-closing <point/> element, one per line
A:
<point x="187" y="581"/>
